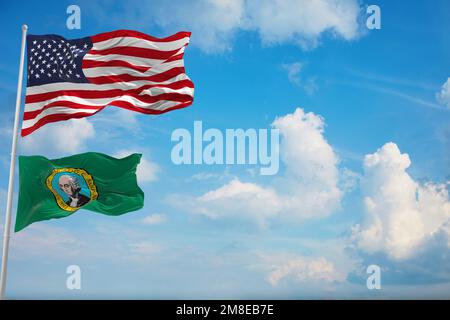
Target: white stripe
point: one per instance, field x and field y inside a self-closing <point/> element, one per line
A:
<point x="106" y="71"/>
<point x="67" y="86"/>
<point x="137" y="42"/>
<point x="102" y="101"/>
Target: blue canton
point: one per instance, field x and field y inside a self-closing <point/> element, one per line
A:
<point x="53" y="59"/>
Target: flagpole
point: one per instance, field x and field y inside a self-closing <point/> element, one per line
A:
<point x="7" y="226"/>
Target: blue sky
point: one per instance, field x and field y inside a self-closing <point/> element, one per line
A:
<point x="374" y="115"/>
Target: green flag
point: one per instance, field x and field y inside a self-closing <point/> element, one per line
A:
<point x="92" y="181"/>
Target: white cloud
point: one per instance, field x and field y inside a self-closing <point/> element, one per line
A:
<point x="293" y="70"/>
<point x="245" y="199"/>
<point x="444" y="95"/>
<point x="294" y="75"/>
<point x="308" y="189"/>
<point x="302" y="270"/>
<point x="401" y="213"/>
<point x="147" y="171"/>
<point x="61" y="137"/>
<point x="154" y="219"/>
<point x="303" y="21"/>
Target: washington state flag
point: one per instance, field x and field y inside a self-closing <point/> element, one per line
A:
<point x="93" y="181"/>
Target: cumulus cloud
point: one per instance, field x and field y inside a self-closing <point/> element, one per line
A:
<point x="303" y="21"/>
<point x="147" y="171"/>
<point x="402" y="215"/>
<point x="238" y="198"/>
<point x="154" y="219"/>
<point x="444" y="95"/>
<point x="59" y="138"/>
<point x="302" y="269"/>
<point x="308" y="188"/>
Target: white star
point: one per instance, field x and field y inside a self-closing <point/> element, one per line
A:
<point x="42" y="71"/>
<point x="49" y="75"/>
<point x="37" y="75"/>
<point x="34" y="42"/>
<point x="77" y="75"/>
<point x="54" y="70"/>
<point x="85" y="46"/>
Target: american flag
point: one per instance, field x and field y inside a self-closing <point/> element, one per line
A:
<point x="127" y="69"/>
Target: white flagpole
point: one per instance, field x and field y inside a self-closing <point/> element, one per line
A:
<point x="7" y="226"/>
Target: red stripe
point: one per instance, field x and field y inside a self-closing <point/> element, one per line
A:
<point x="136" y="52"/>
<point x="92" y="94"/>
<point x="160" y="77"/>
<point x="175" y="57"/>
<point x="136" y="34"/>
<point x="120" y="104"/>
<point x="176" y="97"/>
<point x="112" y="63"/>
